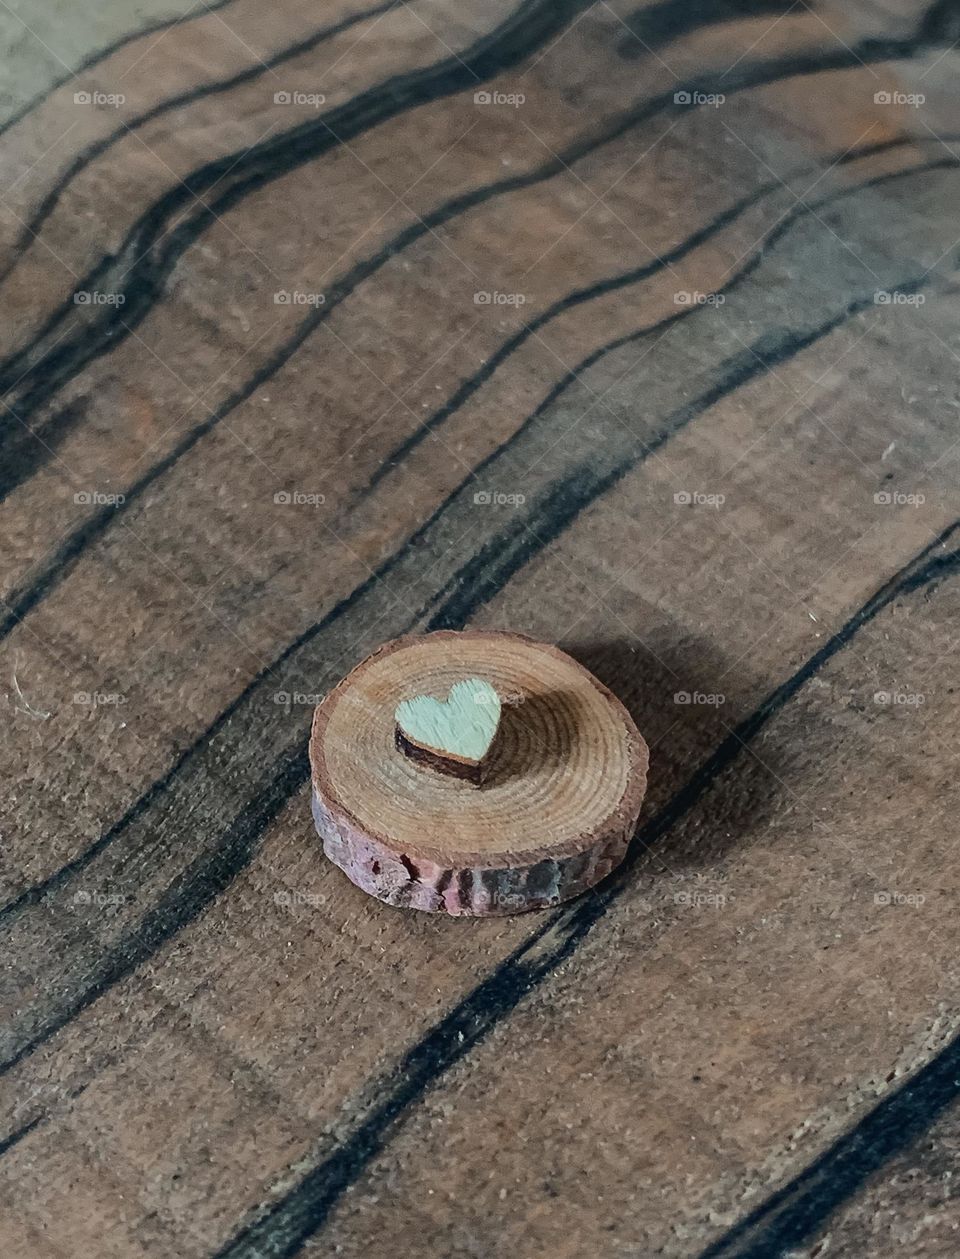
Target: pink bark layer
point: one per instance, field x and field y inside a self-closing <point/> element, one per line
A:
<point x="396" y="879"/>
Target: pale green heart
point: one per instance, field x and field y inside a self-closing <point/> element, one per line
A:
<point x="461" y="727"/>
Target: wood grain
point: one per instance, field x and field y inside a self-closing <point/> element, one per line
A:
<point x="686" y="1096"/>
<point x="740" y="514"/>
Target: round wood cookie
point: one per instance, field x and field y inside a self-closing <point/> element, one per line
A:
<point x="555" y="808"/>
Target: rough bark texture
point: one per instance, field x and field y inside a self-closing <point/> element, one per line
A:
<point x="565" y="738"/>
<point x="518" y="405"/>
<point x="397" y="880"/>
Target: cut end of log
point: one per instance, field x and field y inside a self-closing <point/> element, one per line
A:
<point x="544" y="811"/>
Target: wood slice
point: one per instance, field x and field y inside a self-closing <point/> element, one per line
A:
<point x="561" y="790"/>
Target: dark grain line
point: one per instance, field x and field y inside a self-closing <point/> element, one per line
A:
<point x="187" y="896"/>
<point x="211" y="872"/>
<point x="283" y="1228"/>
<point x="46" y="371"/>
<point x="262" y="785"/>
<point x="23" y="599"/>
<point x="9" y="1142"/>
<point x="163" y="232"/>
<point x="625" y="279"/>
<point x="316" y="1197"/>
<point x="504" y="554"/>
<point x="102" y="54"/>
<point x="791" y="1217"/>
<point x="49" y="886"/>
<point x="48" y="204"/>
<point x="655" y="25"/>
<point x="491" y="566"/>
<point x="302" y="1211"/>
<point x="500" y="558"/>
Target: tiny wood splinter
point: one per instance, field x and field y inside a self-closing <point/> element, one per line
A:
<point x="475" y="773"/>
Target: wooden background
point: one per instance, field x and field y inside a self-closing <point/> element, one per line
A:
<point x="652" y="352"/>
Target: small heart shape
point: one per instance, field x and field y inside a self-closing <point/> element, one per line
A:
<point x="459" y="729"/>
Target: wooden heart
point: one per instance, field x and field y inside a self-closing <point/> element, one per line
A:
<point x="457" y="731"/>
